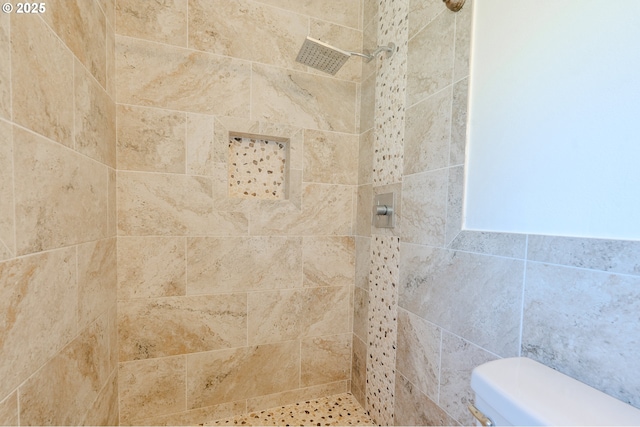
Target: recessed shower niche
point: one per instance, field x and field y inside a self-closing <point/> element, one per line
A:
<point x="258" y="167"/>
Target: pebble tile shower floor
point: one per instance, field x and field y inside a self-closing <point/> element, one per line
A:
<point x="338" y="410"/>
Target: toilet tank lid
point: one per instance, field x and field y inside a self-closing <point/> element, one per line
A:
<point x="526" y="392"/>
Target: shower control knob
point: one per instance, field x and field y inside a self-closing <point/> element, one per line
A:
<point x="384" y="215"/>
<point x="384" y="210"/>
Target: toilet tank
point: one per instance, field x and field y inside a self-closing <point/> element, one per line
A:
<point x="522" y="392"/>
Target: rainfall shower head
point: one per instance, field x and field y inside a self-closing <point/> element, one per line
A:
<point x="330" y="59"/>
<point x="322" y="56"/>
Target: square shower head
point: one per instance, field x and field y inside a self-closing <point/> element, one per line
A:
<point x="322" y="56"/>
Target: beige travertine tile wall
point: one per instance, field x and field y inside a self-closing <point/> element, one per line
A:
<point x="58" y="351"/>
<point x="231" y="304"/>
<point x="362" y="229"/>
<point x="464" y="298"/>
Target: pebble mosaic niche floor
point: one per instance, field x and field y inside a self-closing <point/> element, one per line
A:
<point x="339" y="410"/>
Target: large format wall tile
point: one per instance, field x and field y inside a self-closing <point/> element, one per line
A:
<point x="61" y="197"/>
<point x="63" y="391"/>
<point x="561" y="303"/>
<point x="112" y="214"/>
<point x="170" y="326"/>
<point x="302" y="99"/>
<point x="436" y="42"/>
<point x="39" y="299"/>
<point x="369" y="41"/>
<point x="9" y="410"/>
<point x="325" y="359"/>
<point x="7" y="209"/>
<point x="418" y="355"/>
<point x="113" y="336"/>
<point x="164" y="22"/>
<point x="200" y="144"/>
<point x="150" y="139"/>
<point x="97" y="279"/>
<point x="433" y="280"/>
<point x="424" y="207"/>
<point x="230" y="375"/>
<point x="462" y="42"/>
<point x="341" y="12"/>
<point x="364" y="215"/>
<point x="359" y="370"/>
<point x="414" y="408"/>
<point x="458" y="359"/>
<point x="196" y="416"/>
<point x="499" y="244"/>
<point x="104" y="411"/>
<point x="109" y="9"/>
<point x="365" y="157"/>
<point x="152" y="387"/>
<point x="163" y="204"/>
<point x="238" y="264"/>
<point x="455" y="194"/>
<point x="427" y="134"/>
<point x="327" y="210"/>
<point x="328" y="261"/>
<point x="295" y="396"/>
<point x="157" y="75"/>
<point x="361" y="313"/>
<point x="151" y="267"/>
<point x="615" y="256"/>
<point x="81" y="25"/>
<point x="421" y="13"/>
<point x="459" y="122"/>
<point x="58" y="278"/>
<point x="367" y="112"/>
<point x="42" y="80"/>
<point x="291" y="314"/>
<point x="330" y="157"/>
<point x="111" y="61"/>
<point x="363" y="257"/>
<point x="95" y="119"/>
<point x="248" y="30"/>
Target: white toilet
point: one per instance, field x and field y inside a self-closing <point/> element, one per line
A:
<point x="522" y="392"/>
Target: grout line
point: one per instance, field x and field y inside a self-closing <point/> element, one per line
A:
<point x="246" y="304"/>
<point x="77" y="314"/>
<point x="186" y="265"/>
<point x="440" y="367"/>
<point x="13" y="251"/>
<point x="18" y="401"/>
<point x="188" y="41"/>
<point x="453" y="56"/>
<point x="187" y="161"/>
<point x="524" y="286"/>
<point x="186" y="382"/>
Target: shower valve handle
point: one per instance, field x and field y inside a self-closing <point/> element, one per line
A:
<point x="384" y="210"/>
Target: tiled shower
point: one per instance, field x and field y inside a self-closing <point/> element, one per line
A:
<point x="143" y="282"/>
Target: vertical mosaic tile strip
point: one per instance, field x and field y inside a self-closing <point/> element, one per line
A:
<point x="391" y="91"/>
<point x="382" y="335"/>
<point x="257" y="168"/>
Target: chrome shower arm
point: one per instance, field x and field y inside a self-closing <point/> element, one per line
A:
<point x="363" y="55"/>
<point x="324" y="57"/>
<point x="390" y="48"/>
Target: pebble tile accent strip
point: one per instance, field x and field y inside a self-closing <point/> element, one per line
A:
<point x="391" y="94"/>
<point x="382" y="335"/>
<point x="338" y="410"/>
<point x="257" y="168"/>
